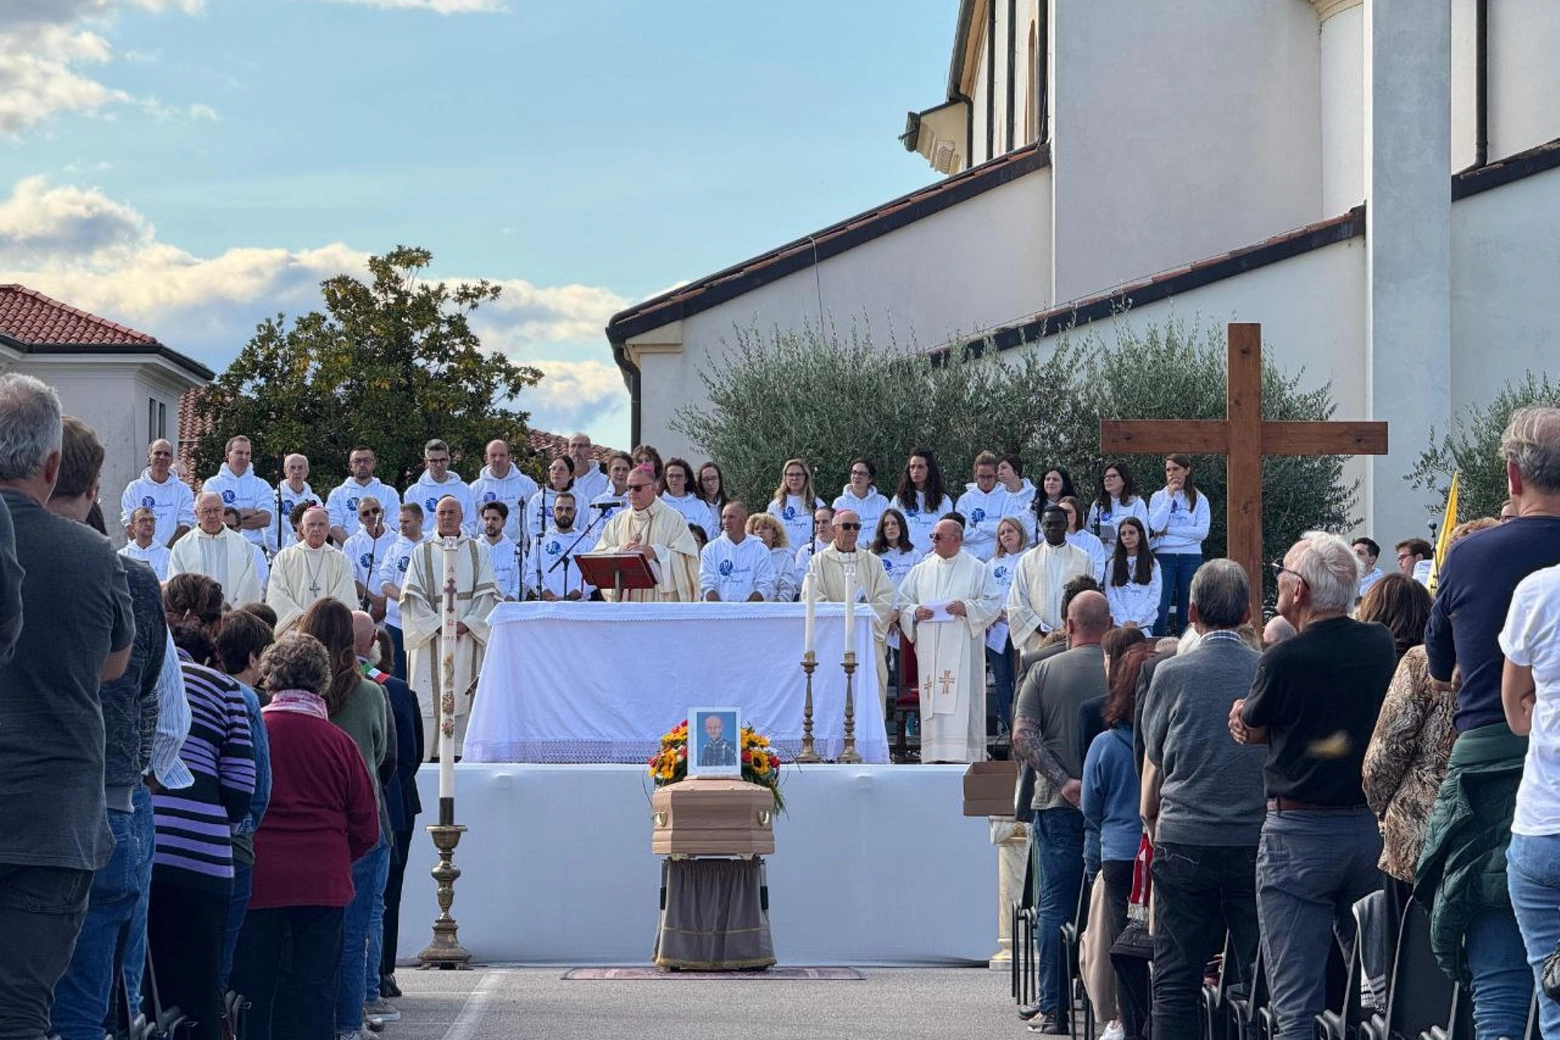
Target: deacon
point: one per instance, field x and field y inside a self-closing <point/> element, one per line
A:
<point x="437" y="481"/>
<point x="239" y="487"/>
<point x="307" y="571"/>
<point x="294" y="491"/>
<point x="502" y="481"/>
<point x="365" y="551"/>
<point x="143" y="544"/>
<point x="159" y="489"/>
<point x="657" y="532"/>
<point x="503" y="553"/>
<point x="734" y="567"/>
<point x="392" y="575"/>
<point x="1034" y="600"/>
<point x="946" y="602"/>
<point x="871" y="582"/>
<point x="556" y="582"/>
<point x="344" y="499"/>
<point x="220" y="554"/>
<point x="422" y="619"/>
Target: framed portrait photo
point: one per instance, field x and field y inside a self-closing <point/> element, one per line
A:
<point x="715" y="742"/>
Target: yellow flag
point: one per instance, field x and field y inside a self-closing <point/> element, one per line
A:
<point x="1444" y="538"/>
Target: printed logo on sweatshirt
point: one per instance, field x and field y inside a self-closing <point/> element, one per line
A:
<point x="977" y="515"/>
<point x="725" y="568"/>
<point x="148" y="502"/>
<point x="228" y="497"/>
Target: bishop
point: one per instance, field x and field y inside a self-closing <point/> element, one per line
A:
<point x="657" y="532"/>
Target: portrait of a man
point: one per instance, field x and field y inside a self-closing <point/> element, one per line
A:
<point x="716" y="742"/>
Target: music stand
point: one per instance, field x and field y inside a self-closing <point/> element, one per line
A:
<point x="616" y="570"/>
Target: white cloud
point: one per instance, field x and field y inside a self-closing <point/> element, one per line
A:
<point x="436" y="6"/>
<point x="93" y="252"/>
<point x="46" y="53"/>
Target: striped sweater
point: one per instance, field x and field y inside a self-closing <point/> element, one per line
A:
<point x="195" y="825"/>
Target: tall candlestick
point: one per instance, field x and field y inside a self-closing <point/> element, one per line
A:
<point x="810" y="597"/>
<point x="447" y="636"/>
<point x="850" y="610"/>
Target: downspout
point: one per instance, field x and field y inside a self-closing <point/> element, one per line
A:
<point x="1012" y="71"/>
<point x="991" y="79"/>
<point x="1481" y="89"/>
<point x="632" y="380"/>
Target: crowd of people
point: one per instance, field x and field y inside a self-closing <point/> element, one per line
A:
<point x="1282" y="793"/>
<point x="208" y="741"/>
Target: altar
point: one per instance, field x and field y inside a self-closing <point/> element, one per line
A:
<point x="600" y="682"/>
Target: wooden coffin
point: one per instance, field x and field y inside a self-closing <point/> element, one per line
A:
<point x="709" y="817"/>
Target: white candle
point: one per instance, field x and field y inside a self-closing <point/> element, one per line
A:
<point x="447" y="637"/>
<point x="811" y="599"/>
<point x="850" y="611"/>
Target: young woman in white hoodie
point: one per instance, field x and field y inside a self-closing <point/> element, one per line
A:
<point x="982" y="505"/>
<point x="1178" y="521"/>
<point x="1020" y="495"/>
<point x="682" y="495"/>
<point x="1115" y="498"/>
<point x="794" y="501"/>
<point x="1077" y="535"/>
<point x="861" y="496"/>
<point x="920" y="498"/>
<point x="1133" y="578"/>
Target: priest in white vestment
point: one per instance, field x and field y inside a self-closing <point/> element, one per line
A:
<point x="945" y="604"/>
<point x="308" y="571"/>
<point x="422" y="620"/>
<point x="222" y="555"/>
<point x="1034" y="601"/>
<point x="657" y="532"/>
<point x="872" y="583"/>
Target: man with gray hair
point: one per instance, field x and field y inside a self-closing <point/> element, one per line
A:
<point x="1202" y="803"/>
<point x="78" y="634"/>
<point x="1314" y="703"/>
<point x="220" y="554"/>
<point x="1477" y="579"/>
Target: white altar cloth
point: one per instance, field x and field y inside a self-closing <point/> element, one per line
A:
<point x="600" y="682"/>
<point x="873" y="865"/>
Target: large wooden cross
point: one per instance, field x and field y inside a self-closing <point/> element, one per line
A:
<point x="1243" y="437"/>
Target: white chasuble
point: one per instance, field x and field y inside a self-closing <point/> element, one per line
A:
<point x="422" y="619"/>
<point x="300" y="575"/>
<point x="950" y="654"/>
<point x="227" y="559"/>
<point x="1034" y="600"/>
<point x="873" y="587"/>
<point x="676" y="564"/>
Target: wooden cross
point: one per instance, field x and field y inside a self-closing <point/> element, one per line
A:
<point x="1243" y="437"/>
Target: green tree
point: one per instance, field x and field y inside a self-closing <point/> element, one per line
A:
<point x="828" y="398"/>
<point x="391" y="363"/>
<point x="1472" y="446"/>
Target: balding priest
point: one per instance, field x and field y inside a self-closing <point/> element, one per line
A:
<point x="657" y="532"/>
<point x="307" y="571"/>
<point x="945" y="604"/>
<point x="224" y="556"/>
<point x="422" y="620"/>
<point x="870" y="581"/>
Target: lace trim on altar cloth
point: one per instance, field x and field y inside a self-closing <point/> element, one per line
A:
<point x="631" y="752"/>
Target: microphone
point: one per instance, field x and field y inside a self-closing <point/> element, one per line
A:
<point x="616" y="504"/>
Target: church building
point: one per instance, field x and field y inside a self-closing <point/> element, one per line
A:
<point x="1377" y="182"/>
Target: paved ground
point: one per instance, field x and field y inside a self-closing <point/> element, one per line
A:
<point x="905" y="1004"/>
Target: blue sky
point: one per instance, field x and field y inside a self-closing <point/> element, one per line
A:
<point x="189" y="167"/>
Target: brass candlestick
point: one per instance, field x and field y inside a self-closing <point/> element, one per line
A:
<point x="848" y="755"/>
<point x="445" y="951"/>
<point x="808" y="754"/>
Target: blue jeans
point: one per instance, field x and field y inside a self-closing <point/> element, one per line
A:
<point x="368" y="877"/>
<point x="243" y="887"/>
<point x="1057" y="835"/>
<point x="1176" y="569"/>
<point x="1001" y="663"/>
<point x="1533" y="878"/>
<point x="1502" y="985"/>
<point x="1312" y="867"/>
<point x="1200" y="893"/>
<point x="132" y="936"/>
<point x="376" y="924"/>
<point x="83" y="995"/>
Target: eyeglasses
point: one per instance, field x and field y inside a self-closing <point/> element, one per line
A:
<point x="370" y="512"/>
<point x="850" y="527"/>
<point x="639" y="487"/>
<point x="1280" y="569"/>
<point x="859" y="473"/>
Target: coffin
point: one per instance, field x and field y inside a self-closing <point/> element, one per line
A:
<point x="709" y="817"/>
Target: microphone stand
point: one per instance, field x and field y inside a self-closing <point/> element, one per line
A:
<point x="279" y="484"/>
<point x="541" y="523"/>
<point x="373" y="552"/>
<point x="569" y="553"/>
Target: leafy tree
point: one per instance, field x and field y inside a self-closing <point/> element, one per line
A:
<point x="1472" y="445"/>
<point x="391" y="363"/>
<point x="827" y="399"/>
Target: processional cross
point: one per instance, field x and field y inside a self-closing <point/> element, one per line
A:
<point x="1243" y="438"/>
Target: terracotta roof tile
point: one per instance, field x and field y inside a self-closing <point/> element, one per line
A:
<point x="548" y="445"/>
<point x="30" y="317"/>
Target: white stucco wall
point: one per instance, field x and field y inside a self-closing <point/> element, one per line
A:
<point x="1464" y="99"/>
<point x="969" y="268"/>
<point x="1342" y="112"/>
<point x="1524" y="75"/>
<point x="1182" y="130"/>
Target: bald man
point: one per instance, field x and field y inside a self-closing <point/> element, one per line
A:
<point x="502" y="481"/>
<point x="294" y="491"/>
<point x="945" y="604"/>
<point x="223" y="555"/>
<point x="308" y="571"/>
<point x="159" y="489"/>
<point x="422" y="618"/>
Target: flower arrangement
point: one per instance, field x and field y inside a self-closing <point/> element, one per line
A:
<point x="760" y="762"/>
